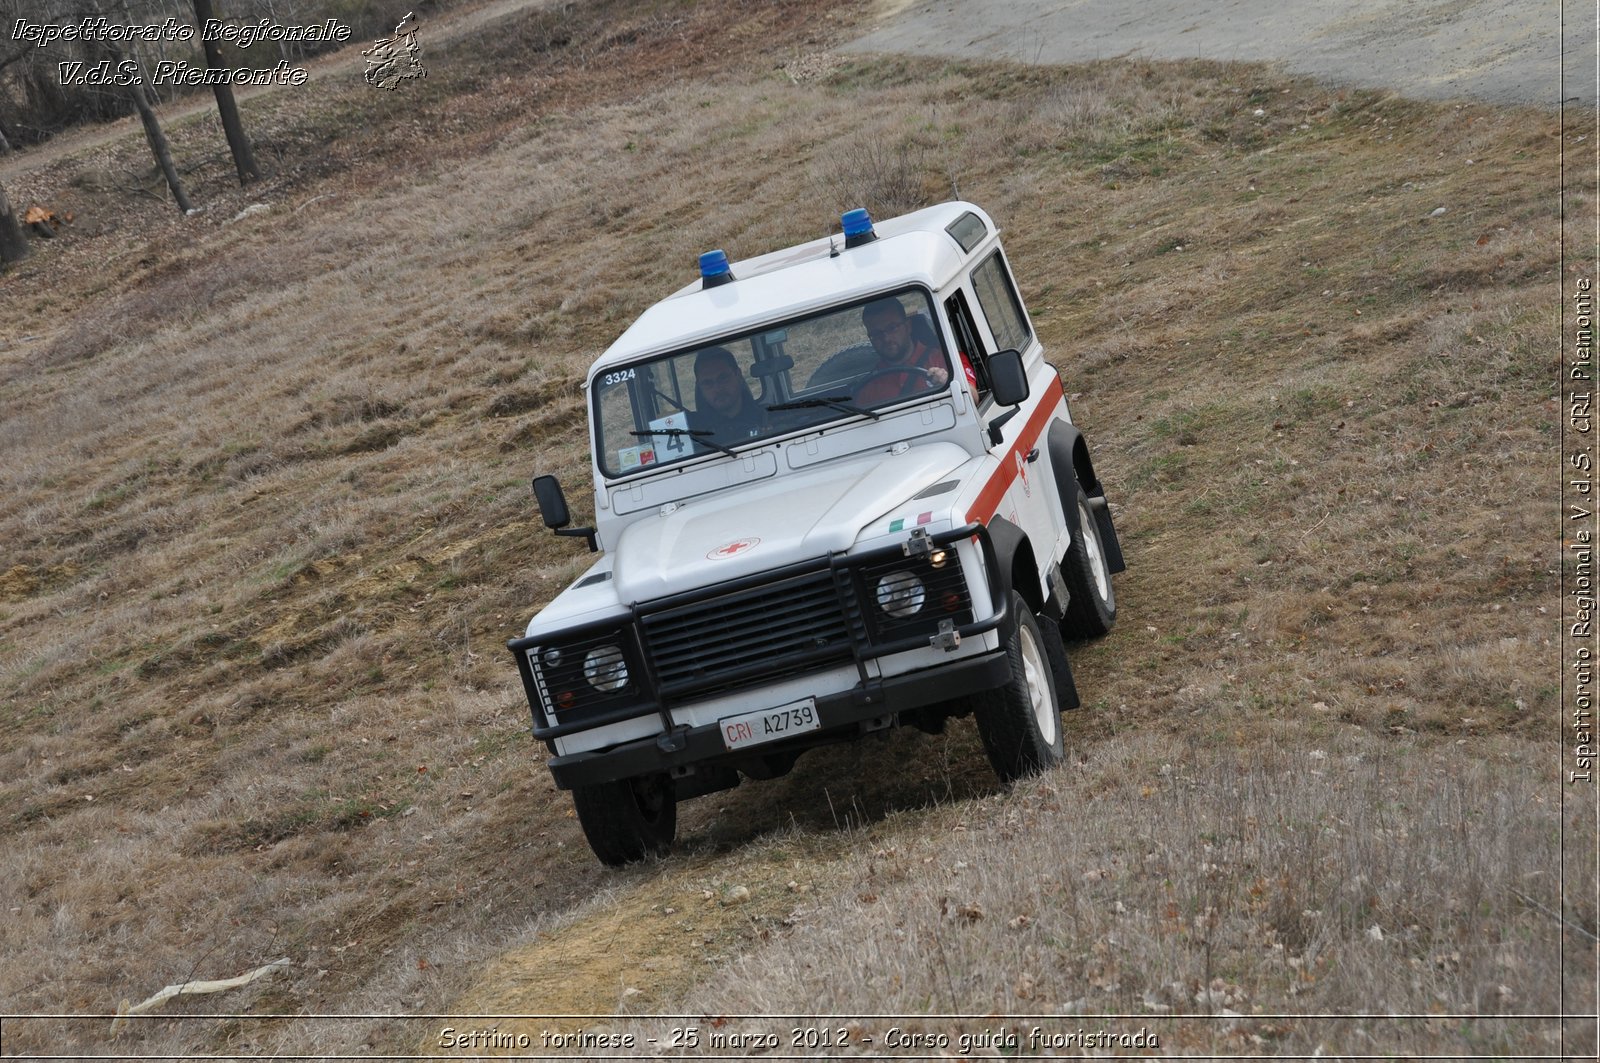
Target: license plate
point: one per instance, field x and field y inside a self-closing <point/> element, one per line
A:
<point x="769" y="725"/>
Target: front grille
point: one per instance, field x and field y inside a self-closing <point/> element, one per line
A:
<point x="757" y="635"/>
<point x="815" y="616"/>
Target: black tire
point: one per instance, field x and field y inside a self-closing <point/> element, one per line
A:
<point x="1092" y="608"/>
<point x="628" y="820"/>
<point x="1020" y="723"/>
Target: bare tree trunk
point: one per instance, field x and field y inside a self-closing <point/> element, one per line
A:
<point x="152" y="127"/>
<point x="13" y="243"/>
<point x="158" y="146"/>
<point x="244" y="159"/>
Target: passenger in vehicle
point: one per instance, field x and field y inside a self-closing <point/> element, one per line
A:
<point x="890" y="331"/>
<point x="723" y="404"/>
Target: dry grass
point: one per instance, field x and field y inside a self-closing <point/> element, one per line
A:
<point x="1211" y="898"/>
<point x="264" y="490"/>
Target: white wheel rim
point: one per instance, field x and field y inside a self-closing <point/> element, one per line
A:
<point x="1033" y="673"/>
<point x="1092" y="551"/>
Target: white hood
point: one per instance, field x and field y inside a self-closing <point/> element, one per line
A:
<point x="788" y="518"/>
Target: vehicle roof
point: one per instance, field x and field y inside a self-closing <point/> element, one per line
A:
<point x="910" y="249"/>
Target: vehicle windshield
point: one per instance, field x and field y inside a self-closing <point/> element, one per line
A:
<point x="843" y="363"/>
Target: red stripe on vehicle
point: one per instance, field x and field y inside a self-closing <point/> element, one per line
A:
<point x="988" y="500"/>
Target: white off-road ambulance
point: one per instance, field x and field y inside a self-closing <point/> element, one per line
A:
<point x="837" y="489"/>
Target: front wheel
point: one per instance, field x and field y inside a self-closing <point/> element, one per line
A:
<point x="1092" y="604"/>
<point x="629" y="819"/>
<point x="1020" y="723"/>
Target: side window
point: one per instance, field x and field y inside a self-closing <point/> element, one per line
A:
<point x="1009" y="325"/>
<point x="969" y="342"/>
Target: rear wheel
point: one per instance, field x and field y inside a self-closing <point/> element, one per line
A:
<point x="1092" y="608"/>
<point x="629" y="819"/>
<point x="1020" y="723"/>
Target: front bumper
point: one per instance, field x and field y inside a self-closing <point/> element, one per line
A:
<point x="845" y="715"/>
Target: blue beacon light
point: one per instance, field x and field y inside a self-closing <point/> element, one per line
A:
<point x="714" y="269"/>
<point x="857" y="227"/>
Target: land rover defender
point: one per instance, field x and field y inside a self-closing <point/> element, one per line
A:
<point x="837" y="489"/>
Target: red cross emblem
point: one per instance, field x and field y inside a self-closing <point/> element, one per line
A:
<point x="733" y="549"/>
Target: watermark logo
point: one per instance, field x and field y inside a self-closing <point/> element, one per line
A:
<point x="397" y="58"/>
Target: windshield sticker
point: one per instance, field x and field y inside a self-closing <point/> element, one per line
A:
<point x="734" y="549"/>
<point x="633" y="457"/>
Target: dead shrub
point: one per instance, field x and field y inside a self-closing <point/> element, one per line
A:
<point x="886" y="177"/>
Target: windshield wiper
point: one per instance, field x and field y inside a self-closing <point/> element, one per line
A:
<point x="841" y="403"/>
<point x="697" y="434"/>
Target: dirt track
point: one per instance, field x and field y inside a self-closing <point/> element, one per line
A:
<point x="1500" y="51"/>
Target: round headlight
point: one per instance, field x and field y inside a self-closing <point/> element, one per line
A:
<point x="605" y="669"/>
<point x="900" y="594"/>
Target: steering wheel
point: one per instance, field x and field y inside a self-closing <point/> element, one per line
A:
<point x="863" y="381"/>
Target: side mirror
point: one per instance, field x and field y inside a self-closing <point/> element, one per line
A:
<point x="1009" y="383"/>
<point x="1007" y="378"/>
<point x="553" y="508"/>
<point x="552" y="503"/>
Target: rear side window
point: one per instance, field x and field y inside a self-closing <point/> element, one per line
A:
<point x="992" y="282"/>
<point x="968" y="231"/>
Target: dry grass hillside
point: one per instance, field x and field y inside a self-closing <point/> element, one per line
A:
<point x="263" y="485"/>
